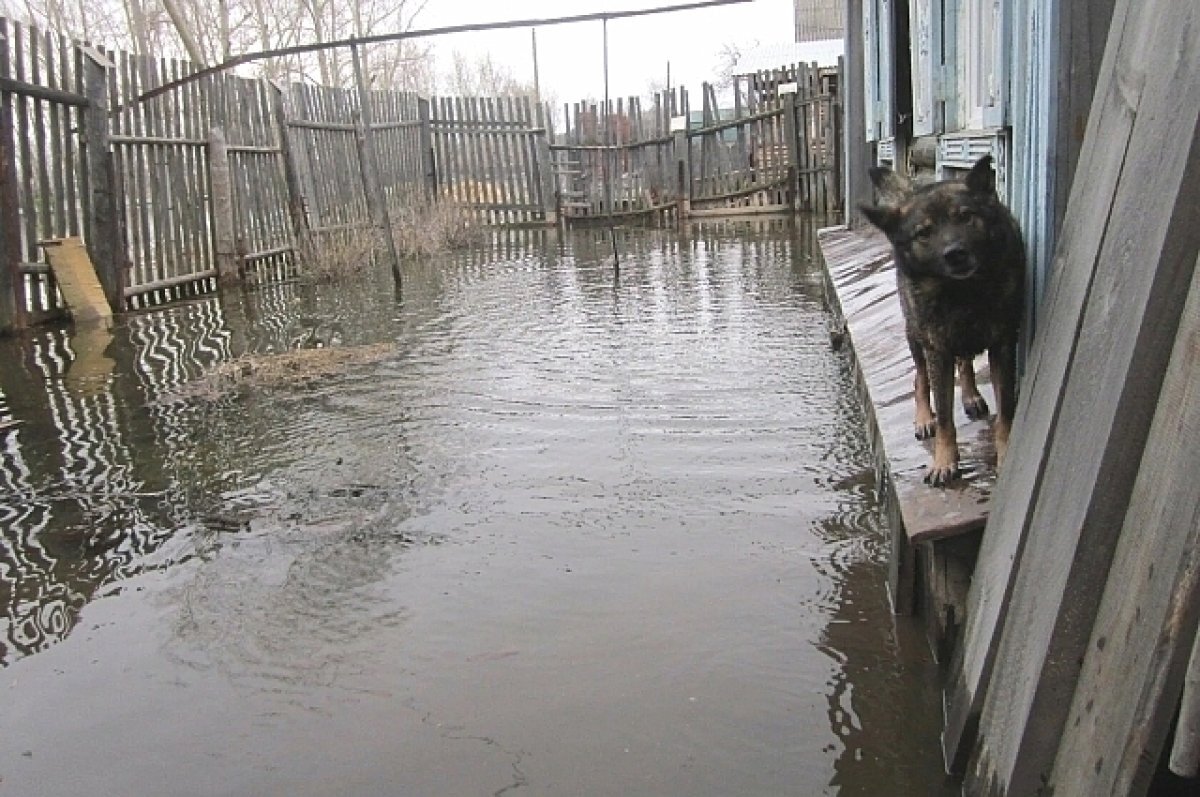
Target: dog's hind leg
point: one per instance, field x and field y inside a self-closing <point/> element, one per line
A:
<point x="924" y="425"/>
<point x="944" y="468"/>
<point x="1003" y="362"/>
<point x="972" y="402"/>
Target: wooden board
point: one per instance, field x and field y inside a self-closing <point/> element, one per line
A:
<point x="1133" y="673"/>
<point x="77" y="281"/>
<point x="1096" y="367"/>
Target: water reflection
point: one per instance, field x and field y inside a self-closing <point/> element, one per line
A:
<point x="620" y="526"/>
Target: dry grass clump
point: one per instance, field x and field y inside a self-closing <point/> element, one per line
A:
<point x="418" y="231"/>
<point x="289" y="369"/>
<point x="338" y="254"/>
<point x="427" y="230"/>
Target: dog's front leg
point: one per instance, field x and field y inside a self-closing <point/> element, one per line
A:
<point x="944" y="468"/>
<point x="923" y="420"/>
<point x="1003" y="362"/>
<point x="972" y="402"/>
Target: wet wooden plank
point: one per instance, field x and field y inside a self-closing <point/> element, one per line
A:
<point x="78" y="282"/>
<point x="1134" y="670"/>
<point x="1089" y="391"/>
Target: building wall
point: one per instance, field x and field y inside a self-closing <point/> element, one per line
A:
<point x="819" y="19"/>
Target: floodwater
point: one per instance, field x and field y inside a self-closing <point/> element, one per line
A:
<point x="574" y="532"/>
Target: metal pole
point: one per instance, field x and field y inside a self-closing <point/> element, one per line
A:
<point x="609" y="155"/>
<point x="537" y="84"/>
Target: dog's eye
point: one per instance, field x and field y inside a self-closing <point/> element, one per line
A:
<point x="964" y="215"/>
<point x="922" y="233"/>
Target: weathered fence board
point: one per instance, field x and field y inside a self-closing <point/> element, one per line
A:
<point x="43" y="105"/>
<point x="1132" y="677"/>
<point x="485" y="156"/>
<point x="1093" y="383"/>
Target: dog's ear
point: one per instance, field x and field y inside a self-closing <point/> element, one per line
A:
<point x="884" y="217"/>
<point x="893" y="188"/>
<point x="982" y="178"/>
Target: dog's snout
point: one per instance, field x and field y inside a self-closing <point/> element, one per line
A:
<point x="956" y="255"/>
<point x="960" y="262"/>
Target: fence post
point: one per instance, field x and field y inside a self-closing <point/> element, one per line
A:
<point x="428" y="163"/>
<point x="683" y="168"/>
<point x="545" y="165"/>
<point x="222" y="207"/>
<point x="838" y="142"/>
<point x="368" y="165"/>
<point x="12" y="281"/>
<point x="104" y="242"/>
<point x="791" y="133"/>
<point x="291" y="175"/>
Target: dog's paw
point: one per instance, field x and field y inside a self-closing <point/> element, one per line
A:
<point x="941" y="476"/>
<point x="925" y="430"/>
<point x="975" y="407"/>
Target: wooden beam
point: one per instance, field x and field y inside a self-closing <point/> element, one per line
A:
<point x="857" y="149"/>
<point x="1123" y="265"/>
<point x="1133" y="673"/>
<point x="291" y="173"/>
<point x="369" y="165"/>
<point x="221" y="182"/>
<point x="104" y="239"/>
<point x="34" y="91"/>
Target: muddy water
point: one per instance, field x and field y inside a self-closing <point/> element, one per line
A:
<point x="569" y="532"/>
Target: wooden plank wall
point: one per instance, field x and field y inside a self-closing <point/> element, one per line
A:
<point x="264" y="235"/>
<point x="322" y="131"/>
<point x="397" y="124"/>
<point x="160" y="160"/>
<point x="742" y="163"/>
<point x="1037" y="676"/>
<point x="228" y="177"/>
<point x="770" y="152"/>
<point x="42" y="193"/>
<point x="639" y="155"/>
<point x="486" y="155"/>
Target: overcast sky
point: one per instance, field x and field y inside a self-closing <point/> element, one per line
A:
<point x="570" y="57"/>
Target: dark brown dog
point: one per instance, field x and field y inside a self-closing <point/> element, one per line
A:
<point x="960" y="273"/>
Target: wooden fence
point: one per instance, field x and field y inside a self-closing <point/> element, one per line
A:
<point x="227" y="177"/>
<point x="488" y="155"/>
<point x="622" y="158"/>
<point x="776" y="151"/>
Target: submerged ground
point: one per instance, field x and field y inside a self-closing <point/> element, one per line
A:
<point x="536" y="527"/>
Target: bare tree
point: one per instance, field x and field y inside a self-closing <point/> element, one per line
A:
<point x="207" y="32"/>
<point x="482" y="77"/>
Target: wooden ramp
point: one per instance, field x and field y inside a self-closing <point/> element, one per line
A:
<point x="77" y="281"/>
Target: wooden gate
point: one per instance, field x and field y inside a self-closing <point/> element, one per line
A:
<point x="489" y="155"/>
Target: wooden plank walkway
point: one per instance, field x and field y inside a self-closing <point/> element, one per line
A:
<point x="863" y="298"/>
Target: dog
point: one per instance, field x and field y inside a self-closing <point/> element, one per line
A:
<point x="960" y="274"/>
